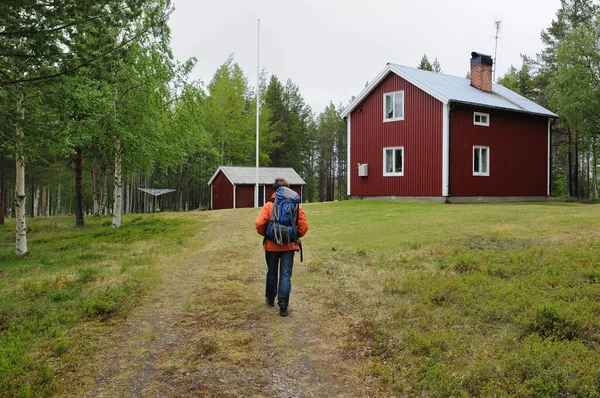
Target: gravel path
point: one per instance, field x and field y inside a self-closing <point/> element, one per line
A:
<point x="205" y="331"/>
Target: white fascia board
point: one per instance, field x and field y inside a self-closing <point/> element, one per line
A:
<point x="221" y="168"/>
<point x="366" y="91"/>
<point x="214" y="175"/>
<point x="445" y="150"/>
<point x="348" y="164"/>
<point x="420" y="85"/>
<point x="375" y="82"/>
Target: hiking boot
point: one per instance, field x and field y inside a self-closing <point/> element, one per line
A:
<point x="270" y="303"/>
<point x="283" y="311"/>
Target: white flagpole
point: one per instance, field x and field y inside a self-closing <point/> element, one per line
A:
<point x="256" y="204"/>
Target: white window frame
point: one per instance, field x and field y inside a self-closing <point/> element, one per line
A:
<point x="395" y="118"/>
<point x="393" y="173"/>
<point x="480" y="123"/>
<point x="480" y="173"/>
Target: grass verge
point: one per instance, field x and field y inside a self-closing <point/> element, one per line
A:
<point x="72" y="275"/>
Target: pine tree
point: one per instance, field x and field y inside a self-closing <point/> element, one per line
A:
<point x="425" y="64"/>
<point x="436" y="67"/>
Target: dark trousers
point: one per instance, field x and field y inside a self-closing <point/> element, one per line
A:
<point x="282" y="263"/>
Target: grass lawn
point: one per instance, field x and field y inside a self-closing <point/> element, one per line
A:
<point x="440" y="300"/>
<point x="466" y="300"/>
<point x="71" y="276"/>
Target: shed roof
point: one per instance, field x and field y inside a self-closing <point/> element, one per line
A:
<point x="448" y="88"/>
<point x="266" y="175"/>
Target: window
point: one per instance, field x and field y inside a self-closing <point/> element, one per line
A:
<point x="481" y="119"/>
<point x="393" y="106"/>
<point x="393" y="161"/>
<point x="481" y="161"/>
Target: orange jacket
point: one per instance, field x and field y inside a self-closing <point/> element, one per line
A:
<point x="263" y="219"/>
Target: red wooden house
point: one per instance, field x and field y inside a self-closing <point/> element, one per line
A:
<point x="233" y="187"/>
<point x="415" y="134"/>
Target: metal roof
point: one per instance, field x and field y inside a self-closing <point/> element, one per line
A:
<point x="266" y="175"/>
<point x="448" y="88"/>
<point x="156" y="191"/>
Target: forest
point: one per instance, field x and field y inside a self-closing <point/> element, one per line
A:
<point x="94" y="107"/>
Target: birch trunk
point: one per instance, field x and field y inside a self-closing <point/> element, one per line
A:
<point x="36" y="202"/>
<point x="79" y="219"/>
<point x="21" y="223"/>
<point x="595" y="167"/>
<point x="96" y="192"/>
<point x="58" y="200"/>
<point x="2" y="191"/>
<point x="587" y="175"/>
<point x="104" y="191"/>
<point x="118" y="183"/>
<point x="576" y="165"/>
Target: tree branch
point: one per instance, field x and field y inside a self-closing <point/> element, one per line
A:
<point x="84" y="64"/>
<point x="50" y="30"/>
<point x="131" y="88"/>
<point x="17" y="55"/>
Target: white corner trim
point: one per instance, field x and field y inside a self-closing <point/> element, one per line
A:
<point x="212" y="206"/>
<point x="445" y="150"/>
<point x="549" y="157"/>
<point x="349" y="167"/>
<point x="234" y="193"/>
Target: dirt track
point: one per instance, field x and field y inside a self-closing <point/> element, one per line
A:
<point x="205" y="331"/>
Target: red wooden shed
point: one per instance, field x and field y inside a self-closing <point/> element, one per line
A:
<point x="420" y="135"/>
<point x="233" y="187"/>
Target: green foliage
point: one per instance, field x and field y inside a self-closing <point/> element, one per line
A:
<point x="432" y="67"/>
<point x="332" y="137"/>
<point x="228" y="118"/>
<point x="425" y="64"/>
<point x="519" y="80"/>
<point x="74" y="276"/>
<point x="564" y="78"/>
<point x="548" y="323"/>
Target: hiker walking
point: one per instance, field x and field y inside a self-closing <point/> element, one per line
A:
<point x="282" y="222"/>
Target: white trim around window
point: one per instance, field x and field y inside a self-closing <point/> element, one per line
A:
<point x="393" y="161"/>
<point x="481" y="119"/>
<point x="393" y="106"/>
<point x="481" y="160"/>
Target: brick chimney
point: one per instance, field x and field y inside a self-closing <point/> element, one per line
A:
<point x="481" y="71"/>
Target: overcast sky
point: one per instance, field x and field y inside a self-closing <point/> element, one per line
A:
<point x="331" y="48"/>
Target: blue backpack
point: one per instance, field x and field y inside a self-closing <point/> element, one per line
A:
<point x="284" y="217"/>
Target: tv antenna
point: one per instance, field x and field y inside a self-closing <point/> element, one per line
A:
<point x="496" y="49"/>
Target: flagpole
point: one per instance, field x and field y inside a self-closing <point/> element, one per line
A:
<point x="256" y="204"/>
